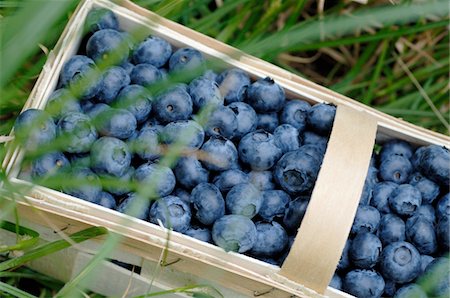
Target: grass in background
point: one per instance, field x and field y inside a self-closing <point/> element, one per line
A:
<point x="393" y="57"/>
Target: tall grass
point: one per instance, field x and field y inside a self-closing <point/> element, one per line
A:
<point x="393" y="57"/>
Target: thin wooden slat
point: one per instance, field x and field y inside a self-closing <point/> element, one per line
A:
<point x="324" y="230"/>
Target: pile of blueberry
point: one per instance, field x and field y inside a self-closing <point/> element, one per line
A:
<point x="400" y="235"/>
<point x="249" y="159"/>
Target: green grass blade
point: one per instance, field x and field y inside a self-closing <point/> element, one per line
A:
<point x="204" y="291"/>
<point x="23" y="31"/>
<point x="376" y="74"/>
<point x="30" y="237"/>
<point x="8" y="289"/>
<point x="338" y="26"/>
<point x="52" y="247"/>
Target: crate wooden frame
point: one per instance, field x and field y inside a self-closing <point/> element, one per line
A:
<point x="234" y="274"/>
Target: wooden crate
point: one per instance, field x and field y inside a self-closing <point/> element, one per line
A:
<point x="321" y="237"/>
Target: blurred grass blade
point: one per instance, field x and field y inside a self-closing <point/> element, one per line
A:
<point x="8" y="289"/>
<point x="22" y="32"/>
<point x="333" y="27"/>
<point x="52" y="247"/>
<point x="204" y="291"/>
<point x="29" y="237"/>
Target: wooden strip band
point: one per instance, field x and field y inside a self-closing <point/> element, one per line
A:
<point x="322" y="235"/>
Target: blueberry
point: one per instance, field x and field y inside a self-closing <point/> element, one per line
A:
<point x="443" y="207"/>
<point x="61" y="102"/>
<point x="233" y="84"/>
<point x="320" y="118"/>
<point x="187" y="131"/>
<point x="205" y="92"/>
<point x="271" y="239"/>
<point x="113" y="80"/>
<point x="34" y="128"/>
<point x="365" y="250"/>
<point x="95" y="110"/>
<point x="101" y="18"/>
<point x="246" y="118"/>
<point x="405" y="200"/>
<point x="400" y="262"/>
<point x="380" y="195"/>
<point x="108" y="44"/>
<point x="392" y="229"/>
<point x="395" y="168"/>
<point x="366" y="194"/>
<point x="221" y="154"/>
<point x="189" y="172"/>
<point x="336" y="282"/>
<point x="80" y="160"/>
<point x="154" y="124"/>
<point x="186" y="59"/>
<point x="80" y="70"/>
<point x="427" y="188"/>
<point x="234" y="233"/>
<point x="244" y="199"/>
<point x="82" y="183"/>
<point x="311" y="138"/>
<point x="227" y="179"/>
<point x="363" y="283"/>
<point x="146" y="144"/>
<point x="372" y="175"/>
<point x="209" y="74"/>
<point x="287" y="138"/>
<point x="294" y="213"/>
<point x="410" y="290"/>
<point x="262" y="180"/>
<point x="172" y="105"/>
<point x="145" y="74"/>
<point x="202" y="234"/>
<point x="141" y="204"/>
<point x="344" y="261"/>
<point x="259" y="150"/>
<point x="434" y="163"/>
<point x="110" y="156"/>
<point x="76" y="132"/>
<point x="415" y="159"/>
<point x="268" y="122"/>
<point x="208" y="203"/>
<point x="427" y="212"/>
<point x="128" y="67"/>
<point x="50" y="165"/>
<point x="118" y="185"/>
<point x="296" y="172"/>
<point x="274" y="204"/>
<point x="137" y="100"/>
<point x="367" y="219"/>
<point x="295" y="113"/>
<point x="153" y="50"/>
<point x="182" y="194"/>
<point x="425" y="260"/>
<point x="159" y="178"/>
<point x="396" y="147"/>
<point x="106" y="200"/>
<point x="437" y="278"/>
<point x="222" y="121"/>
<point x="390" y="288"/>
<point x="118" y="123"/>
<point x="266" y="96"/>
<point x="173" y="212"/>
<point x="443" y="233"/>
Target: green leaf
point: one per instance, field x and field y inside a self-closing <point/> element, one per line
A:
<point x="52" y="247"/>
